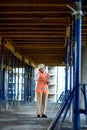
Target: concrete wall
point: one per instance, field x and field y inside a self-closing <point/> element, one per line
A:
<point x="84" y="64"/>
<point x="83" y="71"/>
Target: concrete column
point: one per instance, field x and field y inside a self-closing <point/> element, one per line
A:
<point x="84" y="65"/>
<point x="83" y="72"/>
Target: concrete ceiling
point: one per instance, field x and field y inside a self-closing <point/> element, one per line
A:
<point x="37" y="29"/>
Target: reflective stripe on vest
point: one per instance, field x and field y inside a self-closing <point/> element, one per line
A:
<point x="41" y="84"/>
<point x="42" y="89"/>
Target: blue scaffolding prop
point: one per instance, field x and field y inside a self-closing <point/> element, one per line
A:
<point x="76" y="104"/>
<point x="22" y="87"/>
<point x="30" y="74"/>
<point x="14" y="79"/>
<point x="71" y="60"/>
<point x="66" y="100"/>
<point x="18" y="93"/>
<point x="25" y="83"/>
<point x="1" y="75"/>
<point x="75" y="93"/>
<point x="67" y="67"/>
<point x="32" y="84"/>
<point x="10" y="80"/>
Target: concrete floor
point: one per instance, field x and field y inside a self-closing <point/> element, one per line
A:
<point x="24" y="118"/>
<point x="13" y="121"/>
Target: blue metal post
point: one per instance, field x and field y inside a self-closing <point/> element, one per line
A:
<point x="74" y="57"/>
<point x="1" y="74"/>
<point x="33" y="84"/>
<point x="9" y="78"/>
<point x="25" y="84"/>
<point x="30" y="82"/>
<point x="13" y="78"/>
<point x="76" y="114"/>
<point x="8" y="92"/>
<point x="66" y="75"/>
<point x="12" y="71"/>
<point x="15" y="81"/>
<point x="29" y="71"/>
<point x="71" y="78"/>
<point x="22" y="88"/>
<point x="27" y="87"/>
<point x="27" y="80"/>
<point x="18" y="83"/>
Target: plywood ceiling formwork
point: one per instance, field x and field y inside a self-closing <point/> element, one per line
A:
<point x="37" y="28"/>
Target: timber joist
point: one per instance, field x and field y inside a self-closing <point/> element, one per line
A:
<point x="9" y="47"/>
<point x="37" y="29"/>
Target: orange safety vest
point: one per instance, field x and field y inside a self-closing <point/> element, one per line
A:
<point x="41" y="84"/>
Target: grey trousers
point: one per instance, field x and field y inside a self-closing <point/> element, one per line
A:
<point x="41" y="101"/>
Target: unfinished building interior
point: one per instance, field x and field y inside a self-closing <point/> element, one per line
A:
<point x="52" y="32"/>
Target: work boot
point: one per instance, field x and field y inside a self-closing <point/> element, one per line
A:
<point x="44" y="116"/>
<point x="38" y="116"/>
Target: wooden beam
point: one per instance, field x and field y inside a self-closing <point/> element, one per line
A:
<point x="33" y="24"/>
<point x="42" y="51"/>
<point x="32" y="36"/>
<point x="45" y="19"/>
<point x="40" y="45"/>
<point x="13" y="50"/>
<point x="59" y="40"/>
<point x="35" y="2"/>
<point x="31" y="33"/>
<point x="26" y="42"/>
<point x="33" y="29"/>
<point x="33" y="5"/>
<point x="33" y="15"/>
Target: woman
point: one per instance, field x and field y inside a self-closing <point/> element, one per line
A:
<point x="42" y="90"/>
